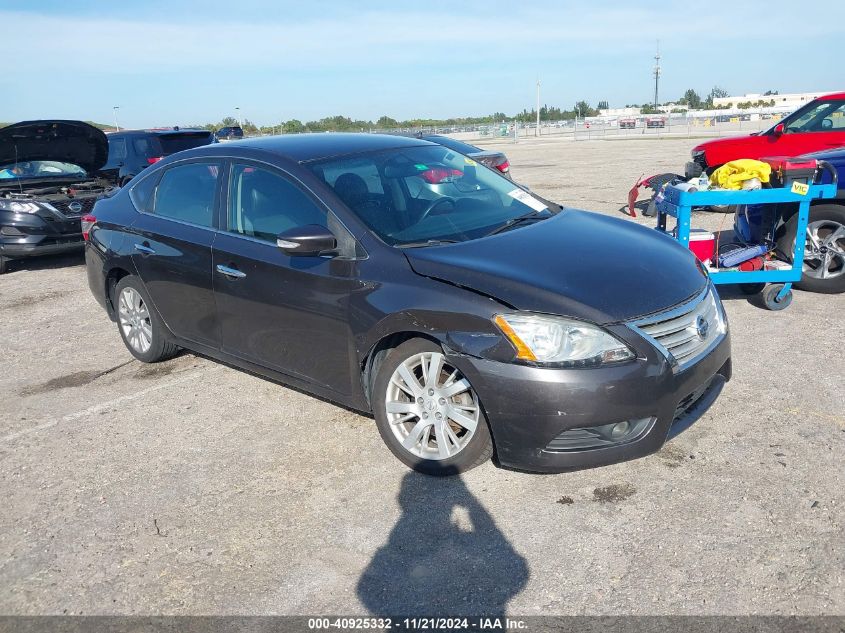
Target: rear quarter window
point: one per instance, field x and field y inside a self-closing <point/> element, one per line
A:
<point x="141" y="193"/>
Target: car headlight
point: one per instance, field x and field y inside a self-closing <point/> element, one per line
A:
<point x="559" y="341"/>
<point x="18" y="206"/>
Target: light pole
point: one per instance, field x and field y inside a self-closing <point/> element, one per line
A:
<point x="538" y="107"/>
<point x="656" y="72"/>
<point x="114" y="110"/>
<point x="238" y="115"/>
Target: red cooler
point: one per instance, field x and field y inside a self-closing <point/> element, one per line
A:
<point x="703" y="244"/>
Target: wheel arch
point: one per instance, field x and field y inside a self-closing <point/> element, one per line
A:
<point x="112" y="278"/>
<point x="379" y="350"/>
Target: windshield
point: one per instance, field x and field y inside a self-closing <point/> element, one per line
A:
<point x="416" y="195"/>
<point x="41" y="169"/>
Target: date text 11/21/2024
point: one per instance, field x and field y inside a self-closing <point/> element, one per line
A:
<point x="417" y="624"/>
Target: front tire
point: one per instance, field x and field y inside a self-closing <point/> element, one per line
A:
<point x="428" y="413"/>
<point x="4" y="263"/>
<point x="140" y="326"/>
<point x="824" y="254"/>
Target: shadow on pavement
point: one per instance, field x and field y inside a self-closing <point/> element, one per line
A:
<point x="46" y="262"/>
<point x="444" y="557"/>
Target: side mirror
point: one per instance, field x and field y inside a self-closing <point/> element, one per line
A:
<point x="779" y="129"/>
<point x="308" y="240"/>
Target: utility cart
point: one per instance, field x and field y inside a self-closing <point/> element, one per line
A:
<point x="775" y="277"/>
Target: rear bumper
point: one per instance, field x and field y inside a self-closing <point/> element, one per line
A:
<point x="528" y="408"/>
<point x="27" y="235"/>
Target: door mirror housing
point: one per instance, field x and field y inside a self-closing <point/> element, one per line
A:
<point x="779" y="129"/>
<point x="309" y="240"/>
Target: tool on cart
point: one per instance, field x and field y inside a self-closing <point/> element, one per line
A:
<point x="749" y="259"/>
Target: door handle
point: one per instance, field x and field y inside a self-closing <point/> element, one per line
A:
<point x="232" y="273"/>
<point x="143" y="248"/>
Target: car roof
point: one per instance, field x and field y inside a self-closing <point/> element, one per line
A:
<point x="303" y="148"/>
<point x="833" y="96"/>
<point x="155" y="132"/>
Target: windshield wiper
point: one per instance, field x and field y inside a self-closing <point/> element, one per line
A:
<point x="425" y="243"/>
<point x="531" y="215"/>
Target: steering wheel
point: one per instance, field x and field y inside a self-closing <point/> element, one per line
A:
<point x="433" y="205"/>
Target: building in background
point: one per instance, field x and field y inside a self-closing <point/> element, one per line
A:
<point x="782" y="101"/>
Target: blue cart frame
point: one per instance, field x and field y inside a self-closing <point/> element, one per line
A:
<point x="679" y="203"/>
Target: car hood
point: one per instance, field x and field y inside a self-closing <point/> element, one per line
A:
<point x="830" y="155"/>
<point x="577" y="264"/>
<point x="733" y="141"/>
<point x="73" y="142"/>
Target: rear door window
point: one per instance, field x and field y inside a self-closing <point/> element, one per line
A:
<point x="188" y="193"/>
<point x="147" y="146"/>
<point x="117" y="149"/>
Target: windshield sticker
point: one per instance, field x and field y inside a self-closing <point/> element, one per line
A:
<point x="469" y="161"/>
<point x="527" y="199"/>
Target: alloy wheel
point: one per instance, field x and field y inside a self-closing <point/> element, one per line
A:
<point x="432" y="409"/>
<point x="824" y="254"/>
<point x="135" y="320"/>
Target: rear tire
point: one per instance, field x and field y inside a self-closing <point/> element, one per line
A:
<point x="140" y="326"/>
<point x="427" y="412"/>
<point x="824" y="260"/>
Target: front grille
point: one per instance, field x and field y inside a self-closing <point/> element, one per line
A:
<point x="64" y="206"/>
<point x="686" y="333"/>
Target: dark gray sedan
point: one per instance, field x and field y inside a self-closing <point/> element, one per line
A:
<point x="401" y="278"/>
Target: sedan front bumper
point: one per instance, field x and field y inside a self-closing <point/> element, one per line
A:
<point x="530" y="409"/>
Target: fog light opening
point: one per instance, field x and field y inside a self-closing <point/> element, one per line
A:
<point x="619" y="430"/>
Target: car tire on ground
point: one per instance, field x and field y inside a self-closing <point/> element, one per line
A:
<point x="139" y="324"/>
<point x="824" y="255"/>
<point x="427" y="412"/>
<point x="4" y="261"/>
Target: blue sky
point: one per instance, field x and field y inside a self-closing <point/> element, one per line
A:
<point x="167" y="63"/>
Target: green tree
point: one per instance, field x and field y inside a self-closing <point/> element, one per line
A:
<point x="584" y="109"/>
<point x="691" y="99"/>
<point x="385" y="122"/>
<point x="603" y="105"/>
<point x="718" y="93"/>
<point x="294" y="126"/>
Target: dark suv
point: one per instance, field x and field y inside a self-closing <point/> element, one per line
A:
<point x="131" y="151"/>
<point x="230" y="133"/>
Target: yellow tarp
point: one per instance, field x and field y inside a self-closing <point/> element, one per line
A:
<point x="731" y="175"/>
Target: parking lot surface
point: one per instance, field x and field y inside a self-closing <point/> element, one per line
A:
<point x="189" y="487"/>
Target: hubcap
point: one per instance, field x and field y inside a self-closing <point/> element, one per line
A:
<point x="135" y="320"/>
<point x="432" y="409"/>
<point x="824" y="254"/>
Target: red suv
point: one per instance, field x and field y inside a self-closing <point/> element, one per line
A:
<point x="816" y="126"/>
